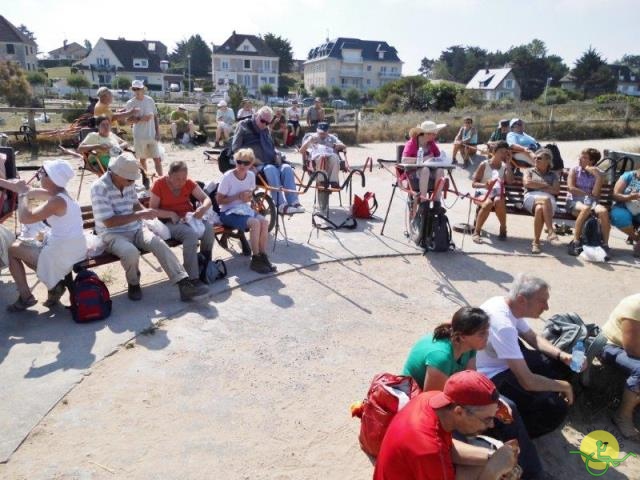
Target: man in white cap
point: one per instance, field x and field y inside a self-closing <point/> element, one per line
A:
<point x="224" y="122"/>
<point x="323" y="149"/>
<point x="523" y="146"/>
<point x="65" y="244"/>
<point x="181" y="124"/>
<point x="146" y="127"/>
<point x="118" y="215"/>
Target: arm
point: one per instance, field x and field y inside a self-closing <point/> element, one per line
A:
<point x="618" y="192"/>
<point x="508" y="173"/>
<point x="306" y="145"/>
<point x="223" y="199"/>
<point x="597" y="187"/>
<point x="571" y="183"/>
<point x="555" y="188"/>
<point x="477" y="177"/>
<point x="630" y="336"/>
<point x="537" y="383"/>
<point x="154" y="204"/>
<point x="434" y="379"/>
<point x="54" y="206"/>
<point x="545" y="346"/>
<point x="467" y="454"/>
<point x="203" y="198"/>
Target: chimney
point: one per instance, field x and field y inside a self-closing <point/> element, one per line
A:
<point x="164" y="65"/>
<point x="64" y="44"/>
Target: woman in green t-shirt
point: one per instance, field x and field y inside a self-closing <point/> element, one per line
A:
<point x="449" y="349"/>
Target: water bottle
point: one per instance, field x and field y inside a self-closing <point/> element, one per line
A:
<point x="420" y="156"/>
<point x="577" y="356"/>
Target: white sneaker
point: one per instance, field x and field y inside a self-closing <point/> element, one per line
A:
<point x="296" y="209"/>
<point x="290" y="209"/>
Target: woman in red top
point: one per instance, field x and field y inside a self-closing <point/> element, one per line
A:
<point x="171" y="197"/>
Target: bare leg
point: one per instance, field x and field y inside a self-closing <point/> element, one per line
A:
<point x="264" y="235"/>
<point x="605" y="223"/>
<point x="483" y="214"/>
<point x="500" y="208"/>
<point x="624" y="415"/>
<point x="19" y="256"/>
<point x="583" y="214"/>
<point x="254" y="235"/>
<point x="538" y="222"/>
<point x="158" y="163"/>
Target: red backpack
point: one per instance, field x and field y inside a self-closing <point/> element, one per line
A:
<point x="90" y="299"/>
<point x="387" y="394"/>
<point x="364" y="207"/>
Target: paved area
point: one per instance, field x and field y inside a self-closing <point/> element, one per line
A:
<point x="373" y="282"/>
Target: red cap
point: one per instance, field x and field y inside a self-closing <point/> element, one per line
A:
<point x="466" y="388"/>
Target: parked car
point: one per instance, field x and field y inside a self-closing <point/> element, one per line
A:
<point x="307" y="102"/>
<point x="339" y="103"/>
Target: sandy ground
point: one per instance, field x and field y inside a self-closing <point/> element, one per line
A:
<point x="256" y="383"/>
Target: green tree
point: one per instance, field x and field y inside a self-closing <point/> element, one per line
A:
<point x="321" y="92"/>
<point x="236" y="94"/>
<point x="441" y="71"/>
<point x="87" y="45"/>
<point x="121" y="83"/>
<point x="200" y="56"/>
<point x="426" y="67"/>
<point x="353" y="97"/>
<point x="14" y="86"/>
<point x="37" y="78"/>
<point x="78" y="82"/>
<point x="632" y="61"/>
<point x="282" y="48"/>
<point x="405" y="87"/>
<point x="441" y="96"/>
<point x="285" y="85"/>
<point x="593" y="76"/>
<point x="537" y="48"/>
<point x="336" y="92"/>
<point x="267" y="91"/>
<point x="26" y="32"/>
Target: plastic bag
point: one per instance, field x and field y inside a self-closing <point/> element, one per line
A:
<point x="163" y="153"/>
<point x="593" y="254"/>
<point x="211" y="217"/>
<point x="195" y="223"/>
<point x="159" y="228"/>
<point x="95" y="245"/>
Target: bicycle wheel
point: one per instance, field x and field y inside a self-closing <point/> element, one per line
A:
<point x="264" y="205"/>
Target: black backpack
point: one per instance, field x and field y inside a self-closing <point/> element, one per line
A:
<point x="225" y="160"/>
<point x="564" y="330"/>
<point x="440" y="232"/>
<point x="431" y="229"/>
<point x="591" y="232"/>
<point x="556" y="162"/>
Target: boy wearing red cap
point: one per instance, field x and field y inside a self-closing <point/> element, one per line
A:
<point x="418" y="443"/>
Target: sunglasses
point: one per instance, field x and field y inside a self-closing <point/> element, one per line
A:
<point x="136" y="89"/>
<point x="244" y="163"/>
<point x="40" y="174"/>
<point x="264" y="122"/>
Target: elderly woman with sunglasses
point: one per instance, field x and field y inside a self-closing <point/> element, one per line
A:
<point x="541" y="185"/>
<point x="234" y="197"/>
<point x="63" y="246"/>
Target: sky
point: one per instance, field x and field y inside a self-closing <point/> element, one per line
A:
<point x="416" y="28"/>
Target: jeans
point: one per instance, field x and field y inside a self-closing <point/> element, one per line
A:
<point x="541" y="412"/>
<point x="615" y="355"/>
<point x="281" y="177"/>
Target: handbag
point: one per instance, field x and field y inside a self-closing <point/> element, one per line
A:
<point x="364" y="207"/>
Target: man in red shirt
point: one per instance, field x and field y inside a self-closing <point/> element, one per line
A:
<point x="418" y="443"/>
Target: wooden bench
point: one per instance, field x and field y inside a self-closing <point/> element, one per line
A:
<point x="88" y="223"/>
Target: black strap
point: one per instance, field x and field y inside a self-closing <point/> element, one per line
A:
<point x="349" y="223"/>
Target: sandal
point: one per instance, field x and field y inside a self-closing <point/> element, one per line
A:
<point x="535" y="248"/>
<point x="476" y="238"/>
<point x="503" y="234"/>
<point x="552" y="237"/>
<point x="21" y="305"/>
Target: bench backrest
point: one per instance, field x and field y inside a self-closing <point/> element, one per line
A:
<point x="8" y="199"/>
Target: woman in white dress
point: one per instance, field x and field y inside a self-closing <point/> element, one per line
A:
<point x="63" y="246"/>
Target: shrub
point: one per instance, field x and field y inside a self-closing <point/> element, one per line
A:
<point x="74" y="111"/>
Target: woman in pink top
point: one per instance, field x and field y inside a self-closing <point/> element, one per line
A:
<point x="424" y="135"/>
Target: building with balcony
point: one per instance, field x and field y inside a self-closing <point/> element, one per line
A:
<point x="245" y="60"/>
<point x="16" y="47"/>
<point x="495" y="84"/>
<point x="144" y="60"/>
<point x="352" y="63"/>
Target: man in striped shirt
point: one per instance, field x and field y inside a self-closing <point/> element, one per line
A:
<point x="118" y="216"/>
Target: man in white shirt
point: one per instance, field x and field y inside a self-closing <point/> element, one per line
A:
<point x="146" y="127"/>
<point x="526" y="376"/>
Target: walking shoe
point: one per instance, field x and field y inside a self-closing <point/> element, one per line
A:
<point x="54" y="295"/>
<point x="535" y="248"/>
<point x="574" y="248"/>
<point x="189" y="291"/>
<point x="503" y="234"/>
<point x="626" y="427"/>
<point x="20" y="305"/>
<point x="258" y="265"/>
<point x="267" y="262"/>
<point x="134" y="292"/>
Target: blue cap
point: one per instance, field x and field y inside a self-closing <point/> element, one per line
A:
<point x="323" y="127"/>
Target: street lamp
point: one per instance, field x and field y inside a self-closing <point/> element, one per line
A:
<point x="189" y="84"/>
<point x="546" y="87"/>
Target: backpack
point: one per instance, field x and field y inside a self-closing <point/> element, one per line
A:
<point x="90" y="299"/>
<point x="564" y="330"/>
<point x="591" y="232"/>
<point x="211" y="189"/>
<point x="431" y="229"/>
<point x="199" y="138"/>
<point x="440" y="232"/>
<point x="556" y="162"/>
<point x="225" y="160"/>
<point x="212" y="270"/>
<point x="387" y="395"/>
<point x="364" y="207"/>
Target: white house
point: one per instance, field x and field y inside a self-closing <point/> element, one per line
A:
<point x="495" y="83"/>
<point x="17" y="47"/>
<point x="138" y="60"/>
<point x="245" y="60"/>
<point x="69" y="51"/>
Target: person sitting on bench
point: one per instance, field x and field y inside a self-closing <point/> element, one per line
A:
<point x="584" y="184"/>
<point x="54" y="256"/>
<point x="118" y="216"/>
<point x="625" y="213"/>
<point x="465" y="142"/>
<point x="424" y="136"/>
<point x="523" y="146"/>
<point x="623" y="350"/>
<point x="171" y="197"/>
<point x="181" y="124"/>
<point x="293" y="118"/>
<point x="245" y="111"/>
<point x="494" y="172"/>
<point x="224" y="123"/>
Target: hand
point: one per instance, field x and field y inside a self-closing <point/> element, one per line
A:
<point x="199" y="213"/>
<point x="21" y="186"/>
<point x="504" y="459"/>
<point x="246" y="196"/>
<point x="567" y="392"/>
<point x="174" y="217"/>
<point x="147" y="214"/>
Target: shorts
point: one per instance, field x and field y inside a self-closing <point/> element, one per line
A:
<point x="147" y="148"/>
<point x="530" y="198"/>
<point x="294" y="123"/>
<point x="621" y="217"/>
<point x="234" y="220"/>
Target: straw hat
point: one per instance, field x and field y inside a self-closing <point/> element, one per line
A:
<point x="125" y="166"/>
<point x="426" y="127"/>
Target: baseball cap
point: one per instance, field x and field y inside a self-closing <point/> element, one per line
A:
<point x="514" y="121"/>
<point x="323" y="127"/>
<point x="468" y="388"/>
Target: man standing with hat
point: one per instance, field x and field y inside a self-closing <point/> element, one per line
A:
<point x="118" y="215"/>
<point x="323" y="149"/>
<point x="146" y="127"/>
<point x="418" y="443"/>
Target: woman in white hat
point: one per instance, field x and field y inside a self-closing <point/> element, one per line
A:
<point x="63" y="246"/>
<point x="224" y="122"/>
<point x="424" y="136"/>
